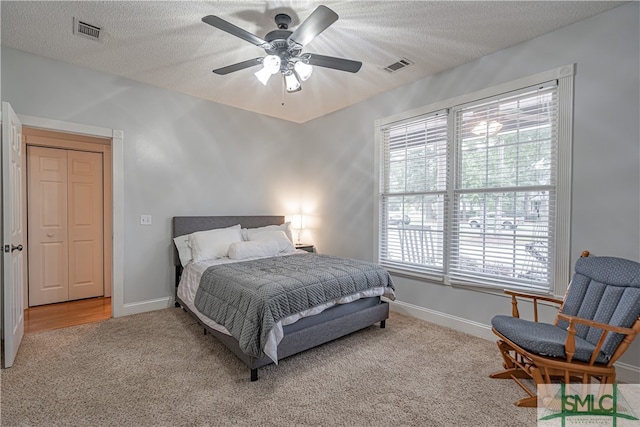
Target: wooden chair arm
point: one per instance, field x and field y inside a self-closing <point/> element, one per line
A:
<point x="570" y="343"/>
<point x="535" y="298"/>
<point x="594" y="324"/>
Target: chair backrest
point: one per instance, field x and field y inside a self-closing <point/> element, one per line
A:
<point x="606" y="290"/>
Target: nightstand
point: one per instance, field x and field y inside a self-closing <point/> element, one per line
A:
<point x="306" y="247"/>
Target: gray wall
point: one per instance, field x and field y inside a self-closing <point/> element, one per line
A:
<point x="182" y="155"/>
<point x="185" y="156"/>
<point x="339" y="156"/>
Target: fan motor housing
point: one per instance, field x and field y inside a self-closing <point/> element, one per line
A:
<point x="277" y="35"/>
<point x="279" y="44"/>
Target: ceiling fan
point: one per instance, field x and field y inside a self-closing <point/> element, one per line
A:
<point x="284" y="49"/>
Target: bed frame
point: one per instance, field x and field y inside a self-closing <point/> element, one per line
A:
<point x="306" y="333"/>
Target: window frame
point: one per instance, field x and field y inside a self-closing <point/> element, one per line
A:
<point x="560" y="265"/>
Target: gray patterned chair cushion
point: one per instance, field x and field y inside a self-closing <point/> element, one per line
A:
<point x="542" y="338"/>
<point x="603" y="289"/>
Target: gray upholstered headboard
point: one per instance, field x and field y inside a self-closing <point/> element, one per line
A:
<point x="190" y="224"/>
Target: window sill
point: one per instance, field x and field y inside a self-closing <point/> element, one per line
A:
<point x="410" y="274"/>
<point x="497" y="291"/>
<point x="439" y="280"/>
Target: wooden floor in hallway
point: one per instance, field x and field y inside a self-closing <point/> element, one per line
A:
<point x="65" y="314"/>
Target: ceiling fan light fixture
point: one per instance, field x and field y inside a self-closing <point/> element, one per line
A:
<point x="292" y="83"/>
<point x="284" y="47"/>
<point x="303" y="70"/>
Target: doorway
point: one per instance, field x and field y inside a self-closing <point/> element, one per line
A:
<point x="66" y="314"/>
<point x="14" y="289"/>
<point x="68" y="218"/>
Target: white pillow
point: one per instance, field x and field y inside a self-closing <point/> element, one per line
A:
<point x="286" y="227"/>
<point x="184" y="250"/>
<point x="183" y="246"/>
<point x="212" y="244"/>
<point x="279" y="236"/>
<point x="256" y="248"/>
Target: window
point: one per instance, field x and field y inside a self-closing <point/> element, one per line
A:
<point x="470" y="193"/>
<point x="412" y="202"/>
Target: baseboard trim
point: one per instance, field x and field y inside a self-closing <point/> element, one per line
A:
<point x="625" y="373"/>
<point x="443" y="319"/>
<point x="144" y="306"/>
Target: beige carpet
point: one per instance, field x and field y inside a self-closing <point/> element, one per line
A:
<point x="158" y="369"/>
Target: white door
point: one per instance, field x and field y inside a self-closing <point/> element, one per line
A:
<point x="12" y="233"/>
<point x="85" y="224"/>
<point x="47" y="221"/>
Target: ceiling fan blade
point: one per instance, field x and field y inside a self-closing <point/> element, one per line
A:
<point x="335" y="63"/>
<point x="319" y="20"/>
<point x="239" y="66"/>
<point x="223" y="25"/>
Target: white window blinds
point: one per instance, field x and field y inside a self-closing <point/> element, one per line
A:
<point x="505" y="190"/>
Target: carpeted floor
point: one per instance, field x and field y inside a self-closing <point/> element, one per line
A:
<point x="158" y="369"/>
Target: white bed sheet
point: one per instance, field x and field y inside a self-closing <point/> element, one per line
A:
<point x="190" y="280"/>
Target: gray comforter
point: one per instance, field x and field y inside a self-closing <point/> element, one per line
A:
<point x="249" y="298"/>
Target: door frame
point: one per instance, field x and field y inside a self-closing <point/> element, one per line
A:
<point x="117" y="191"/>
<point x="32" y="137"/>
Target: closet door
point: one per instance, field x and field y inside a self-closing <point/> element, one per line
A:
<point x="47" y="218"/>
<point x="85" y="224"/>
<point x="65" y="216"/>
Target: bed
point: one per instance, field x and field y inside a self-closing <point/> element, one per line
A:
<point x="294" y="333"/>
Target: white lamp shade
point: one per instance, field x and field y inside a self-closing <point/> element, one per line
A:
<point x="304" y="70"/>
<point x="291" y="82"/>
<point x="263" y="75"/>
<point x="297" y="222"/>
<point x="271" y="65"/>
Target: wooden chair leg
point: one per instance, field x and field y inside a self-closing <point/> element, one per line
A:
<point x="510" y="373"/>
<point x="543" y="385"/>
<point x="610" y="379"/>
<point x="528" y="402"/>
<point x="511" y="370"/>
<point x="504" y="351"/>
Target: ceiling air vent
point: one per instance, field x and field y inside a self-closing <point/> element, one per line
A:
<point x="397" y="66"/>
<point x="83" y="29"/>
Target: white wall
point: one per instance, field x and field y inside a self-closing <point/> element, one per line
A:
<point x="186" y="156"/>
<point x="182" y="155"/>
<point x="339" y="156"/>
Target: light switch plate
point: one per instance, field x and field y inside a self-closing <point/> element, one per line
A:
<point x="145" y="219"/>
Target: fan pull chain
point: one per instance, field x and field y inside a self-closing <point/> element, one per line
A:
<point x="283" y="92"/>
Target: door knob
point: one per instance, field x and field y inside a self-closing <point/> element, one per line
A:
<point x="49" y="234"/>
<point x="16" y="248"/>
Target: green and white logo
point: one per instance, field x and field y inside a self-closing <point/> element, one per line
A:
<point x="588" y="405"/>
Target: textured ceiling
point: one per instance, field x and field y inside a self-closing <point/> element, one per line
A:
<point x="166" y="44"/>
